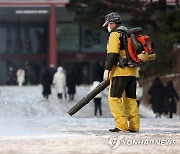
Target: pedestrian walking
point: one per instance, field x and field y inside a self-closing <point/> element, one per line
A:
<point x="20" y="76"/>
<point x="97" y="99"/>
<point x="59" y="81"/>
<point x="46" y="83"/>
<point x="52" y="70"/>
<point x="99" y="71"/>
<point x="170" y="101"/>
<point x="11" y="77"/>
<point x="71" y="84"/>
<point x="157" y="91"/>
<point x="139" y="92"/>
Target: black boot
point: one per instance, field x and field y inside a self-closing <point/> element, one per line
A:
<point x="133" y="131"/>
<point x="114" y="130"/>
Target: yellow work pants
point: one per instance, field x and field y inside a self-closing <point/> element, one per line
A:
<point x="125" y="112"/>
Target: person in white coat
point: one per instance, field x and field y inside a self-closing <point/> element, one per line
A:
<point x="97" y="99"/>
<point x="139" y="92"/>
<point x="59" y="81"/>
<point x="20" y="76"/>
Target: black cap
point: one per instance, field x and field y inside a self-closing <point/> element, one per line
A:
<point x="112" y="17"/>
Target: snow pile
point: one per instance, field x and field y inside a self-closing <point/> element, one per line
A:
<point x="22" y="109"/>
<point x="28" y="102"/>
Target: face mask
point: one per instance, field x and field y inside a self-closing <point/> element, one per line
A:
<point x="109" y="29"/>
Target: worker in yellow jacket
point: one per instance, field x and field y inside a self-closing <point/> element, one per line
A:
<point x="122" y="91"/>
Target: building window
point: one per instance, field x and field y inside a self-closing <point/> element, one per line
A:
<point x="23" y="38"/>
<point x="68" y="37"/>
<point x="93" y="40"/>
<point x="72" y="37"/>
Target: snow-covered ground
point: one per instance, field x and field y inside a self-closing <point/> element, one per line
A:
<point x="31" y="124"/>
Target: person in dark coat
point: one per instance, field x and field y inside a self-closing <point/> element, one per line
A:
<point x="171" y="96"/>
<point x="46" y="82"/>
<point x="71" y="84"/>
<point x="11" y="78"/>
<point x="99" y="71"/>
<point x="157" y="91"/>
<point x="52" y="70"/>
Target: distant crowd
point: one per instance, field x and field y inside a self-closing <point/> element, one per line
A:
<point x="65" y="84"/>
<point x="163" y="97"/>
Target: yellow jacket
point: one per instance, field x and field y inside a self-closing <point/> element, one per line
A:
<point x="113" y="46"/>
